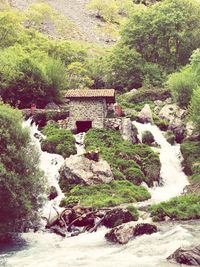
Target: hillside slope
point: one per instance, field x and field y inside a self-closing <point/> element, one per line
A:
<point x="77" y="12"/>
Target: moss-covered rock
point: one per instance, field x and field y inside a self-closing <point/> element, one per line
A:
<point x="179" y="208"/>
<point x="191" y="155"/>
<point x="58" y="141"/>
<point x="147" y="138"/>
<point x="105" y="195"/>
<point x="169" y="135"/>
<point x="128" y="161"/>
<point x="191" y="164"/>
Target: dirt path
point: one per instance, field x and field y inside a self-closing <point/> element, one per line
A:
<point x="77" y="12"/>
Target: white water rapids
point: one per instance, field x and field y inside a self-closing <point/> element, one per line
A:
<point x="92" y="250"/>
<point x="174" y="179"/>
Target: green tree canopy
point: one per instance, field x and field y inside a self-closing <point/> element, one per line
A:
<point x="165" y="33"/>
<point x="21" y="182"/>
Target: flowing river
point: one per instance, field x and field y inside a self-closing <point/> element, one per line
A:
<point x="43" y="249"/>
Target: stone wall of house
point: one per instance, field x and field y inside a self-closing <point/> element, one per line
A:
<point x="87" y="110"/>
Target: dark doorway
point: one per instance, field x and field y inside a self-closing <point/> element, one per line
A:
<point x="83" y="126"/>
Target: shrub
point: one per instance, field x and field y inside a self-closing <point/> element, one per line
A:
<point x="105" y="195"/>
<point x="59" y="141"/>
<point x="179" y="208"/>
<point x="182" y="85"/>
<point x="106" y="9"/>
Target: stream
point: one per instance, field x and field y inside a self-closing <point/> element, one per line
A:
<point x="43" y="249"/>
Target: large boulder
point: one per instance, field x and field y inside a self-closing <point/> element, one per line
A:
<point x="168" y="112"/>
<point x="145" y="115"/>
<point x="188" y="255"/>
<point x="78" y="169"/>
<point x="116" y="217"/>
<point x="123" y="233"/>
<point x="129" y="131"/>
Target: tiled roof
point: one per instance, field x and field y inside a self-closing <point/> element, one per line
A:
<point x="90" y="93"/>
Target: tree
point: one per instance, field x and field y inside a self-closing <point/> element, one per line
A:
<point x="30" y="78"/>
<point x="21" y="182"/>
<point x="10" y="27"/>
<point x="126" y="68"/>
<point x="182" y="85"/>
<point x="195" y="108"/>
<point x="165" y="33"/>
<point x="78" y="76"/>
<point x="106" y="9"/>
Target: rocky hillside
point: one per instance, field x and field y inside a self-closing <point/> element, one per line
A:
<point x="75" y="11"/>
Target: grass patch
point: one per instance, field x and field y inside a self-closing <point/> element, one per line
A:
<point x="133" y="211"/>
<point x="134" y="162"/>
<point x="179" y="208"/>
<point x="105" y="195"/>
<point x="191" y="154"/>
<point x="58" y="141"/>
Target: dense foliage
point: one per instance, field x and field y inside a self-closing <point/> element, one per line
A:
<point x="162" y="33"/>
<point x="179" y="208"/>
<point x="136" y="163"/>
<point x="105" y="195"/>
<point x="21" y="182"/>
<point x="58" y="141"/>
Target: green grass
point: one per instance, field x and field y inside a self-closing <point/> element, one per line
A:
<point x="179" y="208"/>
<point x="133" y="211"/>
<point x="191" y="154"/>
<point x="59" y="141"/>
<point x="105" y="195"/>
<point x="134" y="162"/>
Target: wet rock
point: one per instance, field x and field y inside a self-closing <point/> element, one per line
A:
<point x="148" y="138"/>
<point x="116" y="217"/>
<point x="92" y="155"/>
<point x="188" y="255"/>
<point x="39" y="136"/>
<point x="121" y="234"/>
<point x="53" y="193"/>
<point x="178" y="128"/>
<point x="145" y="229"/>
<point x="58" y="230"/>
<point x="145" y="115"/>
<point x="170" y="137"/>
<point x="78" y="169"/>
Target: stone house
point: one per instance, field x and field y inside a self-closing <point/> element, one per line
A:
<point x="88" y="108"/>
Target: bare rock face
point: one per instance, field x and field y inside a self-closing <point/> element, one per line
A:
<point x="116" y="217"/>
<point x="189" y="256"/>
<point x="123" y="233"/>
<point x="145" y="115"/>
<point x="78" y="169"/>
